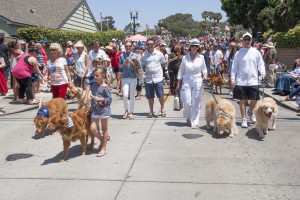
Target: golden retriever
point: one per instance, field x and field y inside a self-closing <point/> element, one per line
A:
<point x="83" y="98"/>
<point x="46" y="111"/>
<point x="217" y="80"/>
<point x="80" y="130"/>
<point x="265" y="110"/>
<point x="223" y="115"/>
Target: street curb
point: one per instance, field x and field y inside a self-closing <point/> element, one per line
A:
<point x="277" y="101"/>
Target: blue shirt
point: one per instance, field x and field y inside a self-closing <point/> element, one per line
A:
<point x="127" y="71"/>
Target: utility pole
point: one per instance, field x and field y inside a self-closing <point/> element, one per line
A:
<point x="134" y="17"/>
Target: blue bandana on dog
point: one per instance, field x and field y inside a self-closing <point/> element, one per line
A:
<point x="70" y="122"/>
<point x="43" y="111"/>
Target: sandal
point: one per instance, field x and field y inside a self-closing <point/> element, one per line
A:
<point x="138" y="98"/>
<point x="163" y="113"/>
<point x="151" y="115"/>
<point x="125" y="116"/>
<point x="298" y="112"/>
<point x="33" y="102"/>
<point x="287" y="98"/>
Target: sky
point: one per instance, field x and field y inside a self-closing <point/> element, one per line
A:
<point x="149" y="12"/>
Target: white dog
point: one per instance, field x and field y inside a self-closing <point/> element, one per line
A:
<point x="265" y="110"/>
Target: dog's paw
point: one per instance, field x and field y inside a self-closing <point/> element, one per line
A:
<point x="83" y="153"/>
<point x="231" y="135"/>
<point x="61" y="160"/>
<point x="208" y="127"/>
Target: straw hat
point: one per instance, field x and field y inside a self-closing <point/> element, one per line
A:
<point x="269" y="45"/>
<point x="79" y="44"/>
<point x="109" y="48"/>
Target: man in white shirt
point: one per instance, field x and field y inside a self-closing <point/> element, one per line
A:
<point x="152" y="62"/>
<point x="215" y="58"/>
<point x="244" y="77"/>
<point x="96" y="52"/>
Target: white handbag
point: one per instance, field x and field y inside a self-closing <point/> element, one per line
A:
<point x="177" y="105"/>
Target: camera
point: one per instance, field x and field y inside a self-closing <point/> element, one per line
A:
<point x="260" y="37"/>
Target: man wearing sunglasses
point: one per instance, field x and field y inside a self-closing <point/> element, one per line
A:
<point x="244" y="77"/>
<point x="152" y="62"/>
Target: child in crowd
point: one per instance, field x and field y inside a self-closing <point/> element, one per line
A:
<point x="100" y="107"/>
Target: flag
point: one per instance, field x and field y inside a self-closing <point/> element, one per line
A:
<point x="101" y="17"/>
<point x="227" y="28"/>
<point x="156" y="27"/>
<point x="147" y="27"/>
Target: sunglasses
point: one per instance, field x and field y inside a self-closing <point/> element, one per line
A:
<point x="53" y="49"/>
<point x="194" y="46"/>
<point x="127" y="46"/>
<point x="246" y="39"/>
<point x="150" y="44"/>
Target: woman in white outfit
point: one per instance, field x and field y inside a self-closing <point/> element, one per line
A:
<point x="192" y="72"/>
<point x="129" y="64"/>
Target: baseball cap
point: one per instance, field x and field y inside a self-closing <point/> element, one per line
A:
<point x="42" y="41"/>
<point x="247" y="34"/>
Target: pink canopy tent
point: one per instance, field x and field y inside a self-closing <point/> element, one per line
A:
<point x="137" y="38"/>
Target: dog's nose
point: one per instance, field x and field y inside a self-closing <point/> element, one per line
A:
<point x="270" y="113"/>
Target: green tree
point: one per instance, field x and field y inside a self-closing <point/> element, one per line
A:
<point x="205" y="15"/>
<point x="286" y="15"/>
<point x="247" y="12"/>
<point x="107" y="23"/>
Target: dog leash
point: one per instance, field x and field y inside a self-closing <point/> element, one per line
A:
<point x="211" y="90"/>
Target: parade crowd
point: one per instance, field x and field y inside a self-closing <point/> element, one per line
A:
<point x="182" y="63"/>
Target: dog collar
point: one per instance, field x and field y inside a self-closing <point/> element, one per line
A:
<point x="43" y="111"/>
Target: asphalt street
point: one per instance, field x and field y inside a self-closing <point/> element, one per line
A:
<point x="152" y="159"/>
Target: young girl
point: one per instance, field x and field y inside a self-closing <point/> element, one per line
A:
<point x="100" y="107"/>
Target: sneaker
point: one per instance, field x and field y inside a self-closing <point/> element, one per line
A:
<point x="252" y="117"/>
<point x="230" y="93"/>
<point x="130" y="116"/>
<point x="244" y="123"/>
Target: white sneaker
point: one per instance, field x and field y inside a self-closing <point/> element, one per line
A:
<point x="244" y="123"/>
<point x="230" y="93"/>
<point x="252" y="117"/>
<point x="130" y="116"/>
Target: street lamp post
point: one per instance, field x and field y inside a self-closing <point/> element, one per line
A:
<point x="134" y="17"/>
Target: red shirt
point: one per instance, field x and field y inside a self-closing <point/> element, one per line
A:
<point x="45" y="55"/>
<point x="115" y="56"/>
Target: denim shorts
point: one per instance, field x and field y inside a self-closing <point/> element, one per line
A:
<point x="157" y="87"/>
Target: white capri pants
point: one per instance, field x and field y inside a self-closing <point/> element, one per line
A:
<point x="129" y="85"/>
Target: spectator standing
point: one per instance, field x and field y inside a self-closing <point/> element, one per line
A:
<point x="69" y="53"/>
<point x="43" y="52"/>
<point x="27" y="63"/>
<point x="173" y="67"/>
<point x="152" y="61"/>
<point x="58" y="72"/>
<point x="96" y="52"/>
<point x="114" y="55"/>
<point x="81" y="64"/>
<point x="3" y="85"/>
<point x="14" y="53"/>
<point x="215" y="58"/>
<point x="192" y="72"/>
<point x="4" y="52"/>
<point x="270" y="63"/>
<point x="244" y="77"/>
<point x="129" y="78"/>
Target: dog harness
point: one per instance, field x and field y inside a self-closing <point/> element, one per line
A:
<point x="43" y="111"/>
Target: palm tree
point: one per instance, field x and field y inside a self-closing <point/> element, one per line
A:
<point x="205" y="15"/>
<point x="218" y="17"/>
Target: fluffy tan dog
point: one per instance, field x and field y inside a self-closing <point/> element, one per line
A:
<point x="83" y="98"/>
<point x="265" y="110"/>
<point x="46" y="111"/>
<point x="80" y="129"/>
<point x="223" y="115"/>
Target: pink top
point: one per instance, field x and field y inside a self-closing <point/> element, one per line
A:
<point x="57" y="71"/>
<point x="22" y="69"/>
